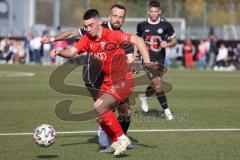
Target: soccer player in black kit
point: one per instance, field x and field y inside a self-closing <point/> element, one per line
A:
<point x="158" y="34"/>
<point x="92" y="79"/>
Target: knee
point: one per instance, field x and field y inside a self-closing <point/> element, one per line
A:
<point x="97" y="104"/>
<point x="124" y="109"/>
<point x="158" y="87"/>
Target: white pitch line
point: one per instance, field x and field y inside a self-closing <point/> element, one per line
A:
<point x="137" y="130"/>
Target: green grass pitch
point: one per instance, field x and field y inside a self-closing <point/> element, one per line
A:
<point x="199" y="100"/>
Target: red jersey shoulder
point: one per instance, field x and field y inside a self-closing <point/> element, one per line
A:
<point x="117" y="35"/>
<point x="82" y="44"/>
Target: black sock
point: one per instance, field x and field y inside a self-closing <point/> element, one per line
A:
<point x="149" y="91"/>
<point x="162" y="99"/>
<point x="124" y="122"/>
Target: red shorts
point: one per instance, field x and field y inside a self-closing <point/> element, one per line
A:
<point x="119" y="90"/>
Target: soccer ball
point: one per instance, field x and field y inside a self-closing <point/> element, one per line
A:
<point x="44" y="135"/>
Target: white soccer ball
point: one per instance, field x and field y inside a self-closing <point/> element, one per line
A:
<point x="44" y="135"/>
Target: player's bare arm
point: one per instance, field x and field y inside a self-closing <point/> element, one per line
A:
<point x="61" y="36"/>
<point x="66" y="53"/>
<point x="171" y="43"/>
<point x="135" y="53"/>
<point x="140" y="45"/>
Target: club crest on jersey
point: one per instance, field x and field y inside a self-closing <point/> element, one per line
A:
<point x="125" y="37"/>
<point x="160" y="30"/>
<point x="103" y="44"/>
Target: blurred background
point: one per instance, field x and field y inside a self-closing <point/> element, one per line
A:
<point x="216" y="23"/>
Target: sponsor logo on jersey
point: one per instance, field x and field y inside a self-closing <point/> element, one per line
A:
<point x="100" y="56"/>
<point x="147" y="30"/>
<point x="124" y="37"/>
<point x="160" y="30"/>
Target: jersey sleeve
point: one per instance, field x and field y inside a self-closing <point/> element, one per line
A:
<point x="129" y="49"/>
<point x="139" y="30"/>
<point x="121" y="37"/>
<point x="82" y="45"/>
<point x="170" y="32"/>
<point x="124" y="39"/>
<point x="81" y="31"/>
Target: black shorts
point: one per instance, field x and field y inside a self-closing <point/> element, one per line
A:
<point x="95" y="87"/>
<point x="159" y="58"/>
<point x="93" y="77"/>
<point x="158" y="72"/>
<point x="153" y="73"/>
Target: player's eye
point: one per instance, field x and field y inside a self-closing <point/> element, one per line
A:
<point x="119" y="17"/>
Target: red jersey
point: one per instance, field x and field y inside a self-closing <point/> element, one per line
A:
<point x="108" y="52"/>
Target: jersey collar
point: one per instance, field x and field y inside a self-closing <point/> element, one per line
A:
<point x="109" y="26"/>
<point x="156" y="22"/>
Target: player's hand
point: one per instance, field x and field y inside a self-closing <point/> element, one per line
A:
<point x="45" y="40"/>
<point x="135" y="55"/>
<point x="164" y="44"/>
<point x="134" y="67"/>
<point x="151" y="65"/>
<point x="53" y="53"/>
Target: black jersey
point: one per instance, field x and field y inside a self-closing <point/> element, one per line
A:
<point x="153" y="33"/>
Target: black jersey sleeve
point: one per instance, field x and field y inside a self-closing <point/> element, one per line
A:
<point x="81" y="31"/>
<point x="139" y="30"/>
<point x="129" y="49"/>
<point x="170" y="31"/>
<point x="106" y="25"/>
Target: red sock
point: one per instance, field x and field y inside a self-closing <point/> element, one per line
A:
<point x="108" y="131"/>
<point x="110" y="120"/>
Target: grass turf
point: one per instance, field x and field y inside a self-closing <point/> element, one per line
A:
<point x="200" y="99"/>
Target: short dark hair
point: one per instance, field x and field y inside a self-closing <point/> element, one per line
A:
<point x="119" y="6"/>
<point x="153" y="4"/>
<point x="91" y="13"/>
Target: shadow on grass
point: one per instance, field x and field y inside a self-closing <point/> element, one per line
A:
<point x="48" y="156"/>
<point x="153" y="112"/>
<point x="94" y="140"/>
<point x="91" y="139"/>
<point x="136" y="143"/>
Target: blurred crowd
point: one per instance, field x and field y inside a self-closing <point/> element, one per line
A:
<point x="29" y="50"/>
<point x="210" y="53"/>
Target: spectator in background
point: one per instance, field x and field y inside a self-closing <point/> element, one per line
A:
<point x="221" y="58"/>
<point x="213" y="49"/>
<point x="60" y="45"/>
<point x="35" y="45"/>
<point x="201" y="55"/>
<point x="27" y="48"/>
<point x="237" y="56"/>
<point x="188" y="53"/>
<point x="230" y="60"/>
<point x="171" y="53"/>
<point x="46" y="47"/>
<point x="8" y="50"/>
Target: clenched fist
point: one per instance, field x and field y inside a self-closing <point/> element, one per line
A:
<point x="53" y="53"/>
<point x="46" y="40"/>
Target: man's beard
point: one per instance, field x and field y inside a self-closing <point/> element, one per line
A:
<point x="116" y="27"/>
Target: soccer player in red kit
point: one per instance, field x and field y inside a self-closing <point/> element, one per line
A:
<point x="106" y="47"/>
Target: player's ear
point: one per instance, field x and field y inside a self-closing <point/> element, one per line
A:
<point x="100" y="22"/>
<point x="160" y="11"/>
